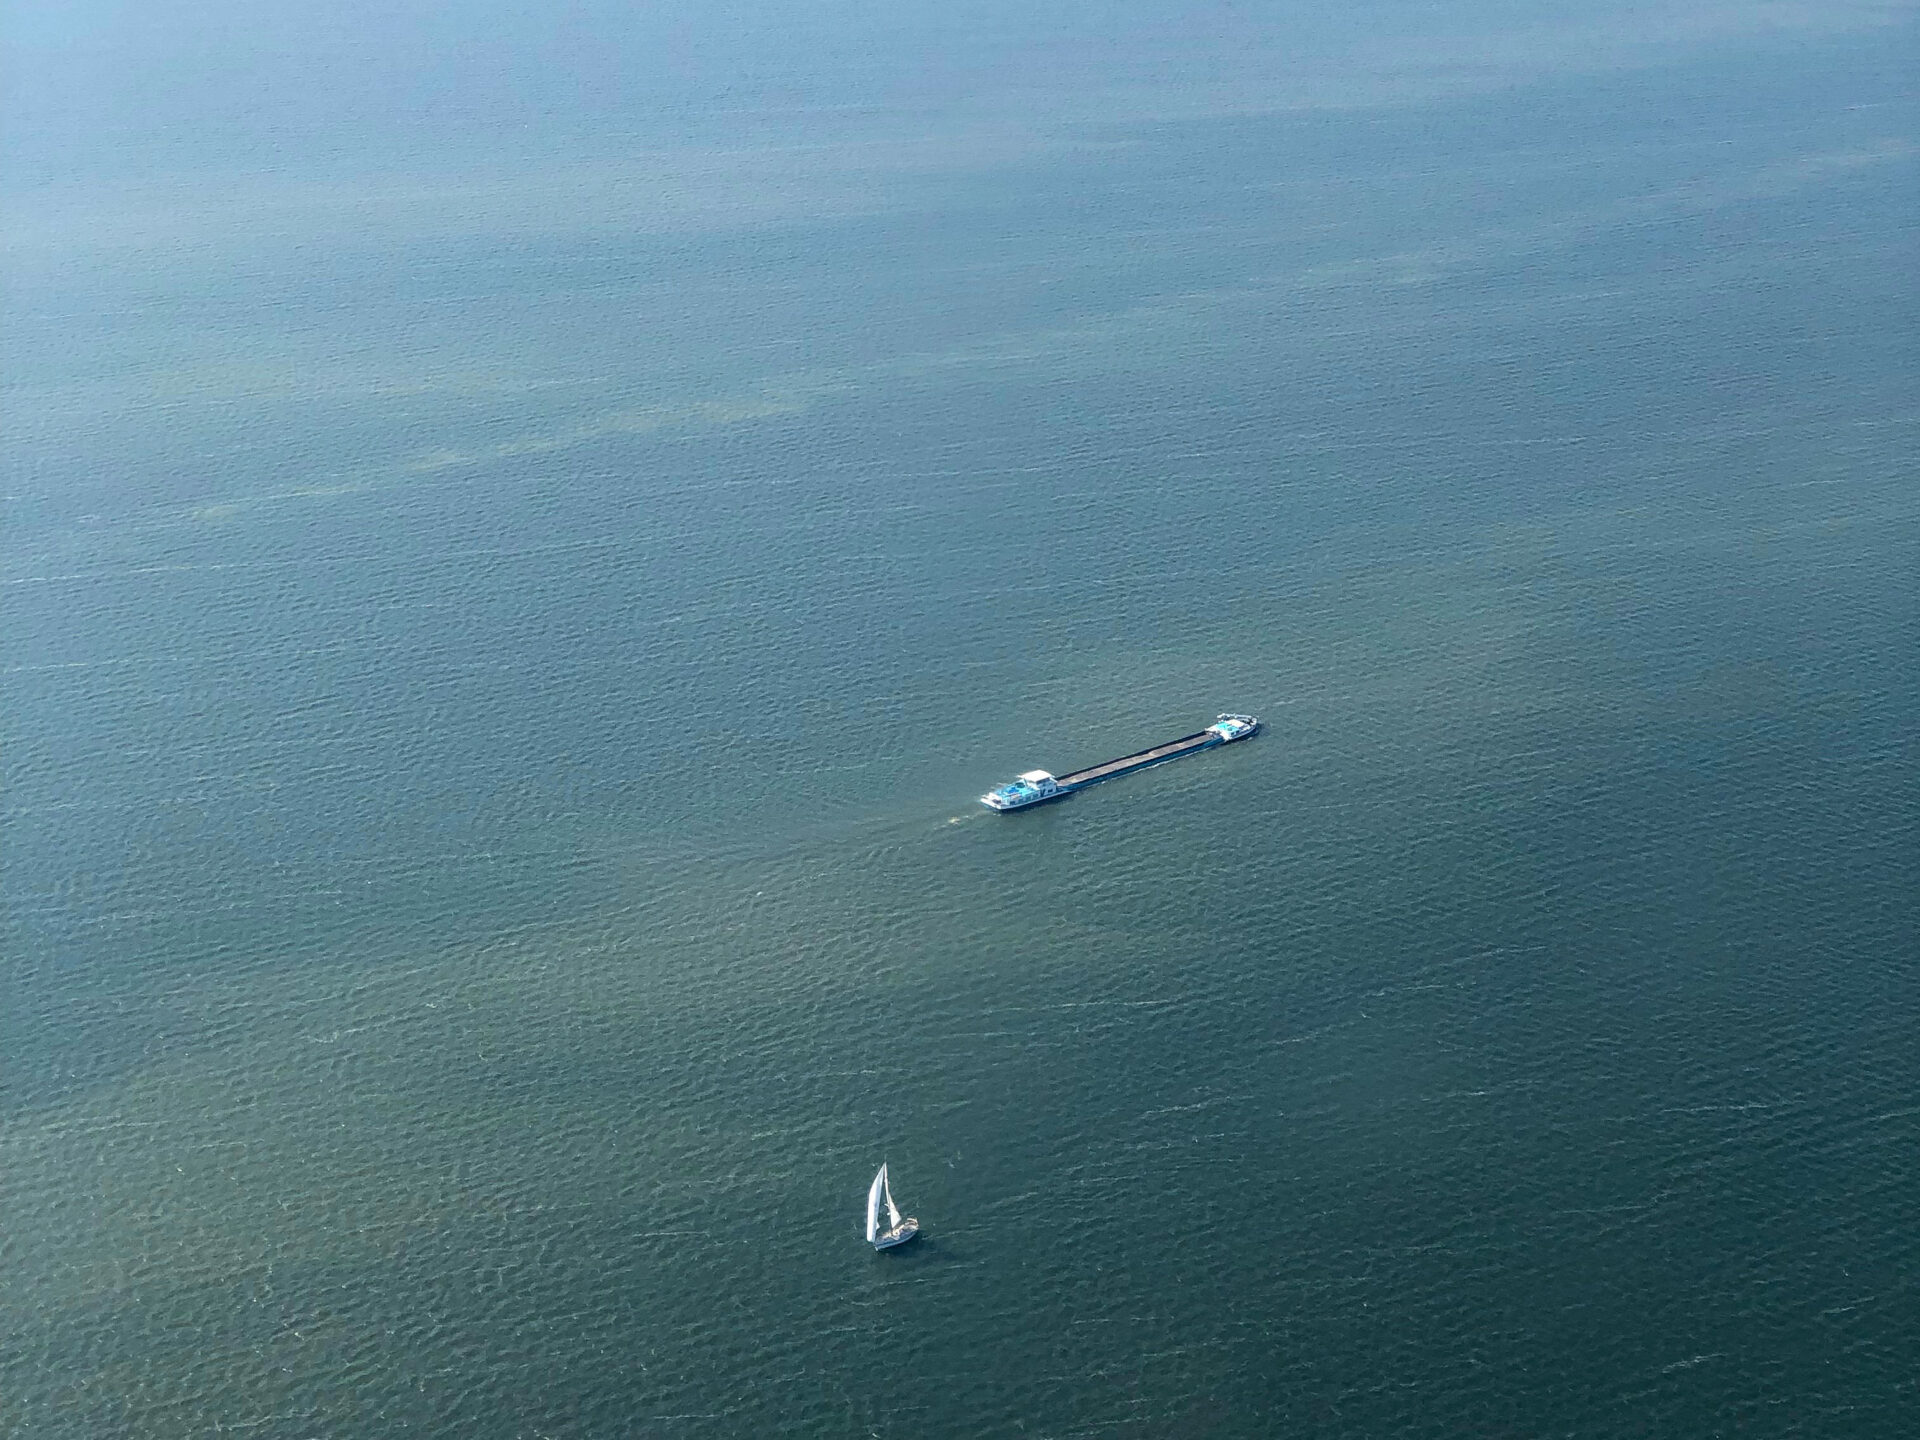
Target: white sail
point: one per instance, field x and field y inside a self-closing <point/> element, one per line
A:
<point x="893" y="1210"/>
<point x="873" y="1204"/>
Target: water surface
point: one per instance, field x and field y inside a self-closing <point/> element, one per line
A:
<point x="500" y="655"/>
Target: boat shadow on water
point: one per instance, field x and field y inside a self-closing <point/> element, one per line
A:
<point x="920" y="1251"/>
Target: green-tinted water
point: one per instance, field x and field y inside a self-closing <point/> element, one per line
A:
<point x="498" y="670"/>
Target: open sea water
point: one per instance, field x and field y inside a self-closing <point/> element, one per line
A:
<point x="498" y="666"/>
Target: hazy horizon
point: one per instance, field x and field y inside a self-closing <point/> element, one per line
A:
<point x="525" y="533"/>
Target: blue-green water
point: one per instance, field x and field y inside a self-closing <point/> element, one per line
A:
<point x="498" y="662"/>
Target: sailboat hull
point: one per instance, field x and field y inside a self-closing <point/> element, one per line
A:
<point x="899" y="1235"/>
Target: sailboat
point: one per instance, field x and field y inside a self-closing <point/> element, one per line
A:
<point x="900" y="1229"/>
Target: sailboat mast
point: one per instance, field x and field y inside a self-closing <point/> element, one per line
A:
<point x="893" y="1210"/>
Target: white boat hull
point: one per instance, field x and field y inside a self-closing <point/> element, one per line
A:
<point x="899" y="1235"/>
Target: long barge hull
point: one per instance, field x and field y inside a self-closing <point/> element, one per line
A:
<point x="1038" y="786"/>
<point x="1127" y="764"/>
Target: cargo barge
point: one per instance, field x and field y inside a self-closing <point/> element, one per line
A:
<point x="1037" y="786"/>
